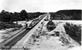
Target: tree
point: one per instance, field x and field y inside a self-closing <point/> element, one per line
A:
<point x="5" y="16"/>
<point x="23" y="15"/>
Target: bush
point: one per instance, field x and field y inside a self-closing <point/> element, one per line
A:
<point x="74" y="31"/>
<point x="4" y="25"/>
<point x="51" y="25"/>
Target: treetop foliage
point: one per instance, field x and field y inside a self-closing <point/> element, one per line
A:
<point x="6" y="16"/>
<point x="66" y="15"/>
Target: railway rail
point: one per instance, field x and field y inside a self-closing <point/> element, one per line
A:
<point x="7" y="44"/>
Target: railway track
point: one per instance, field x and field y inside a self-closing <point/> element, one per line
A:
<point x="12" y="41"/>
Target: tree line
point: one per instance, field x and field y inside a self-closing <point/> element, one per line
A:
<point x="66" y="15"/>
<point x="6" y="16"/>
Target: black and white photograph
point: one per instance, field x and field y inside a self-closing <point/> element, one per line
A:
<point x="40" y="24"/>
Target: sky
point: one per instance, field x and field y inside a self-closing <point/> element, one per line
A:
<point x="39" y="5"/>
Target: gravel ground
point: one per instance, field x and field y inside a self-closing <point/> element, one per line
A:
<point x="47" y="42"/>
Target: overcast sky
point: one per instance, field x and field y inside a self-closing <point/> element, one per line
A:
<point x="39" y="5"/>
